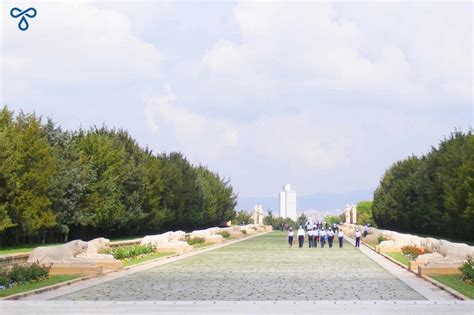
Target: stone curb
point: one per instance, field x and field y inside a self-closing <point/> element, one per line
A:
<point x="45" y="289"/>
<point x="450" y="290"/>
<point x="440" y="285"/>
<point x="67" y="283"/>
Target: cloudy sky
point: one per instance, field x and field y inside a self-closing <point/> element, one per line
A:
<point x="322" y="96"/>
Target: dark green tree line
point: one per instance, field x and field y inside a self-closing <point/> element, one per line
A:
<point x="433" y="194"/>
<point x="56" y="185"/>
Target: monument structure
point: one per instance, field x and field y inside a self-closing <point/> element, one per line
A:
<point x="351" y="214"/>
<point x="258" y="214"/>
<point x="288" y="203"/>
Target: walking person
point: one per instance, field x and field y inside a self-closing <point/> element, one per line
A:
<point x="290" y="237"/>
<point x="340" y="235"/>
<point x="301" y="236"/>
<point x="311" y="237"/>
<point x="366" y="230"/>
<point x="357" y="238"/>
<point x="316" y="236"/>
<point x="330" y="237"/>
<point x="322" y="238"/>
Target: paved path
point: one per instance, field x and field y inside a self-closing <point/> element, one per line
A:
<point x="259" y="275"/>
<point x="428" y="290"/>
<point x="235" y="307"/>
<point x="259" y="269"/>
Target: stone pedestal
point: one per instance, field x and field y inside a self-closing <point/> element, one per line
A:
<point x="109" y="264"/>
<point x="438" y="270"/>
<point x="386" y="249"/>
<point x="175" y="249"/>
<point x="76" y="269"/>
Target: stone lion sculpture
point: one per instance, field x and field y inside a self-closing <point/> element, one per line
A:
<point x="156" y="240"/>
<point x="399" y="240"/>
<point x="451" y="254"/>
<point x="93" y="248"/>
<point x="60" y="254"/>
<point x="209" y="235"/>
<point x="168" y="241"/>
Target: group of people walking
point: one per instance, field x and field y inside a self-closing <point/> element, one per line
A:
<point x="317" y="233"/>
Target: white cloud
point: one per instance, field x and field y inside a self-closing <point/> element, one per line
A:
<point x="74" y="43"/>
<point x="296" y="141"/>
<point x="318" y="46"/>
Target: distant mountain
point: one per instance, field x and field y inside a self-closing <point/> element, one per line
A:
<point x="318" y="202"/>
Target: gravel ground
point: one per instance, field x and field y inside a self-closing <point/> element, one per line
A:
<point x="262" y="268"/>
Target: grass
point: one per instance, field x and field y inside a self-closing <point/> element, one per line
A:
<point x="22" y="248"/>
<point x="455" y="282"/>
<point x="36" y="285"/>
<point x="29" y="247"/>
<point x="399" y="257"/>
<point x="141" y="259"/>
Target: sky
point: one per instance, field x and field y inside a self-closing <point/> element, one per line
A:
<point x="325" y="96"/>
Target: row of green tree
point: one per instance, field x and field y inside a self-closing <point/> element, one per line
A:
<point x="432" y="194"/>
<point x="57" y="184"/>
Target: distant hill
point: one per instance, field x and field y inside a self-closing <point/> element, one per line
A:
<point x="322" y="202"/>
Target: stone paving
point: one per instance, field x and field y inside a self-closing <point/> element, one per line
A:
<point x="259" y="269"/>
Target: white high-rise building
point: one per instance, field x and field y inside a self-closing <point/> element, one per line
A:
<point x="288" y="203"/>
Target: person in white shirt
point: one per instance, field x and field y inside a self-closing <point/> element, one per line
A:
<point x="290" y="237"/>
<point x="322" y="237"/>
<point x="310" y="238"/>
<point x="301" y="235"/>
<point x="330" y="237"/>
<point x="366" y="230"/>
<point x="357" y="238"/>
<point x="340" y="235"/>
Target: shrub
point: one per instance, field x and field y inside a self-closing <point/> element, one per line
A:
<point x="244" y="231"/>
<point x="381" y="239"/>
<point x="467" y="271"/>
<point x="130" y="251"/>
<point x="196" y="240"/>
<point x="224" y="234"/>
<point x="411" y="251"/>
<point x="22" y="274"/>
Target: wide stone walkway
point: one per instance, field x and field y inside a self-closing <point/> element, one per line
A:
<point x="259" y="269"/>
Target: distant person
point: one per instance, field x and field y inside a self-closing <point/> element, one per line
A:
<point x="357" y="238"/>
<point x="340" y="235"/>
<point x="316" y="236"/>
<point x="366" y="230"/>
<point x="301" y="236"/>
<point x="310" y="237"/>
<point x="330" y="237"/>
<point x="322" y="237"/>
<point x="334" y="227"/>
<point x="290" y="237"/>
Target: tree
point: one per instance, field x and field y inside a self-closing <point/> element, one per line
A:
<point x="302" y="220"/>
<point x="433" y="194"/>
<point x="243" y="217"/>
<point x="333" y="219"/>
<point x="364" y="213"/>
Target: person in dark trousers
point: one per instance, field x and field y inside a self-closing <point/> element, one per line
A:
<point x="340" y="235"/>
<point x="301" y="236"/>
<point x="366" y="230"/>
<point x="316" y="237"/>
<point x="310" y="237"/>
<point x="330" y="237"/>
<point x="357" y="238"/>
<point x="290" y="237"/>
<point x="322" y="238"/>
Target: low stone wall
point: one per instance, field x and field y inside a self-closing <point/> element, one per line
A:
<point x="441" y="257"/>
<point x="12" y="259"/>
